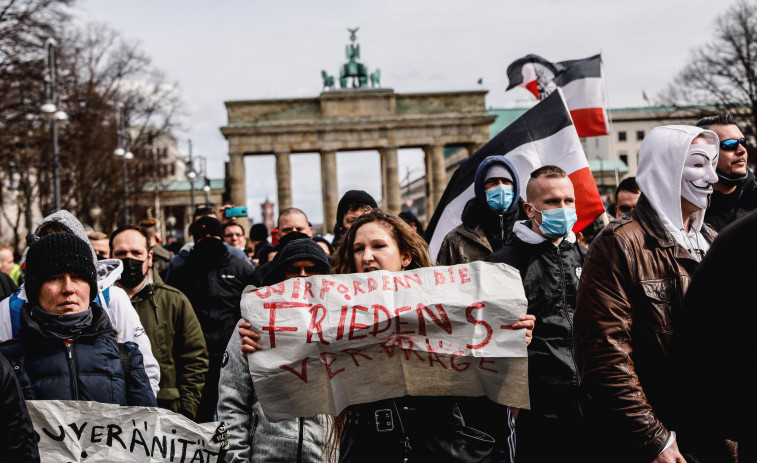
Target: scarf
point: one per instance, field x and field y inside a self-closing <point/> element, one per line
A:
<point x="62" y="326"/>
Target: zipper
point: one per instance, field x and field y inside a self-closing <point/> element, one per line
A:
<point x="299" y="442"/>
<point x="502" y="229"/>
<point x="569" y="317"/>
<point x="71" y="368"/>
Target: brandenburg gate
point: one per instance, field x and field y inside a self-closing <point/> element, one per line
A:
<point x="355" y="120"/>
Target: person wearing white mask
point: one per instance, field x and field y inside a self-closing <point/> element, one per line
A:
<point x="487" y="218"/>
<point x="545" y="251"/>
<point x="632" y="286"/>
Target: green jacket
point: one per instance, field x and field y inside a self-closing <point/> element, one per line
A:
<point x="177" y="343"/>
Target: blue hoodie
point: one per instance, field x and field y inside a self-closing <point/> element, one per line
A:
<point x="480" y="179"/>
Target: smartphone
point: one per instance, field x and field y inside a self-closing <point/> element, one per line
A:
<point x="240" y="211"/>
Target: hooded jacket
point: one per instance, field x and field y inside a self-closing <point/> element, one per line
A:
<point x="116" y="303"/>
<point x="633" y="282"/>
<point x="178" y="344"/>
<point x="661" y="161"/>
<point x="482" y="231"/>
<point x="44" y="364"/>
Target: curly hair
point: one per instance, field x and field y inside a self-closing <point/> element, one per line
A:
<point x="406" y="238"/>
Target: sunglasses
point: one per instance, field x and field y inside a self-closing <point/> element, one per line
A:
<point x="732" y="144"/>
<point x="625" y="209"/>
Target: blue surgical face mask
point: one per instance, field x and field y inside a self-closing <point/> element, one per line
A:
<point x="556" y="223"/>
<point x="499" y="198"/>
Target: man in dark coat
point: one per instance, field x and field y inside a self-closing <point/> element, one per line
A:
<point x="549" y="259"/>
<point x="213" y="280"/>
<point x="736" y="190"/>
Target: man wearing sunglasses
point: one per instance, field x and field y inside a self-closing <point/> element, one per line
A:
<point x="626" y="195"/>
<point x="736" y="191"/>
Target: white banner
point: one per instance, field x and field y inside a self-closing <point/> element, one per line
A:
<point x="335" y="340"/>
<point x="76" y="431"/>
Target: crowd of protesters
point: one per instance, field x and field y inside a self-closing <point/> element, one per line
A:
<point x="636" y="330"/>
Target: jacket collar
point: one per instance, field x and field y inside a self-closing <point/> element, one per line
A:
<point x="30" y="328"/>
<point x="651" y="223"/>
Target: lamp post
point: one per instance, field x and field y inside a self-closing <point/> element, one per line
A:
<point x="191" y="176"/>
<point x="51" y="112"/>
<point x="206" y="189"/>
<point x="123" y="140"/>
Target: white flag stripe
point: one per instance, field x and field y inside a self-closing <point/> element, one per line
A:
<point x="563" y="149"/>
<point x="530" y="74"/>
<point x="585" y="93"/>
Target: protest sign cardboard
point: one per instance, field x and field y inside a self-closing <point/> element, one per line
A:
<point x="77" y="431"/>
<point x="335" y="340"/>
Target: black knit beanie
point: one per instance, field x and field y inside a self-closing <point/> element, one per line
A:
<point x="55" y="254"/>
<point x="258" y="232"/>
<point x="295" y="251"/>
<point x="351" y="200"/>
<point x="205" y="226"/>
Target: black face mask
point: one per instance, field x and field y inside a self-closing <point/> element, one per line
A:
<point x="132" y="274"/>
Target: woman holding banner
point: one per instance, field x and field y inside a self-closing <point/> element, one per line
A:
<point x="414" y="428"/>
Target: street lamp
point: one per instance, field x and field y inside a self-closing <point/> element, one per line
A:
<point x="123" y="141"/>
<point x="52" y="112"/>
<point x="191" y="176"/>
<point x="206" y="189"/>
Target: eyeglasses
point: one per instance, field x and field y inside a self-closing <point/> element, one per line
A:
<point x="732" y="144"/>
<point x="625" y="208"/>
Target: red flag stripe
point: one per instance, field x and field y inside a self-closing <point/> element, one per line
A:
<point x="590" y="122"/>
<point x="588" y="202"/>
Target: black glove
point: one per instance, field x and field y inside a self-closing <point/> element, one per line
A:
<point x="222" y="436"/>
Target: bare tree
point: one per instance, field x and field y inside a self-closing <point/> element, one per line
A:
<point x="97" y="70"/>
<point x="722" y="74"/>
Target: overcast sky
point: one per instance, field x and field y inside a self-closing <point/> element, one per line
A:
<point x="241" y="49"/>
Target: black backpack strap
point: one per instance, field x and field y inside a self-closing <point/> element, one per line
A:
<point x="123" y="352"/>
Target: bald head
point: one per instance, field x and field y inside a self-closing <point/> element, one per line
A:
<point x="291" y="220"/>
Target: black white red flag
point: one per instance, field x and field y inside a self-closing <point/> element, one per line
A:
<point x="581" y="81"/>
<point x="544" y="135"/>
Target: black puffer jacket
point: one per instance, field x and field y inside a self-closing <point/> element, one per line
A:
<point x="725" y="209"/>
<point x="44" y="363"/>
<point x="213" y="280"/>
<point x="550" y="278"/>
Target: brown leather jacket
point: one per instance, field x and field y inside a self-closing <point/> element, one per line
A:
<point x="633" y="282"/>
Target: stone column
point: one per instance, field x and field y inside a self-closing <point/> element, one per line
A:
<point x="329" y="189"/>
<point x="384" y="194"/>
<point x="438" y="176"/>
<point x="283" y="180"/>
<point x="390" y="180"/>
<point x="473" y="147"/>
<point x="238" y="194"/>
<point x="428" y="160"/>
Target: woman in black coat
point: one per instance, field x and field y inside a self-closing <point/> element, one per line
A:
<point x="66" y="348"/>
